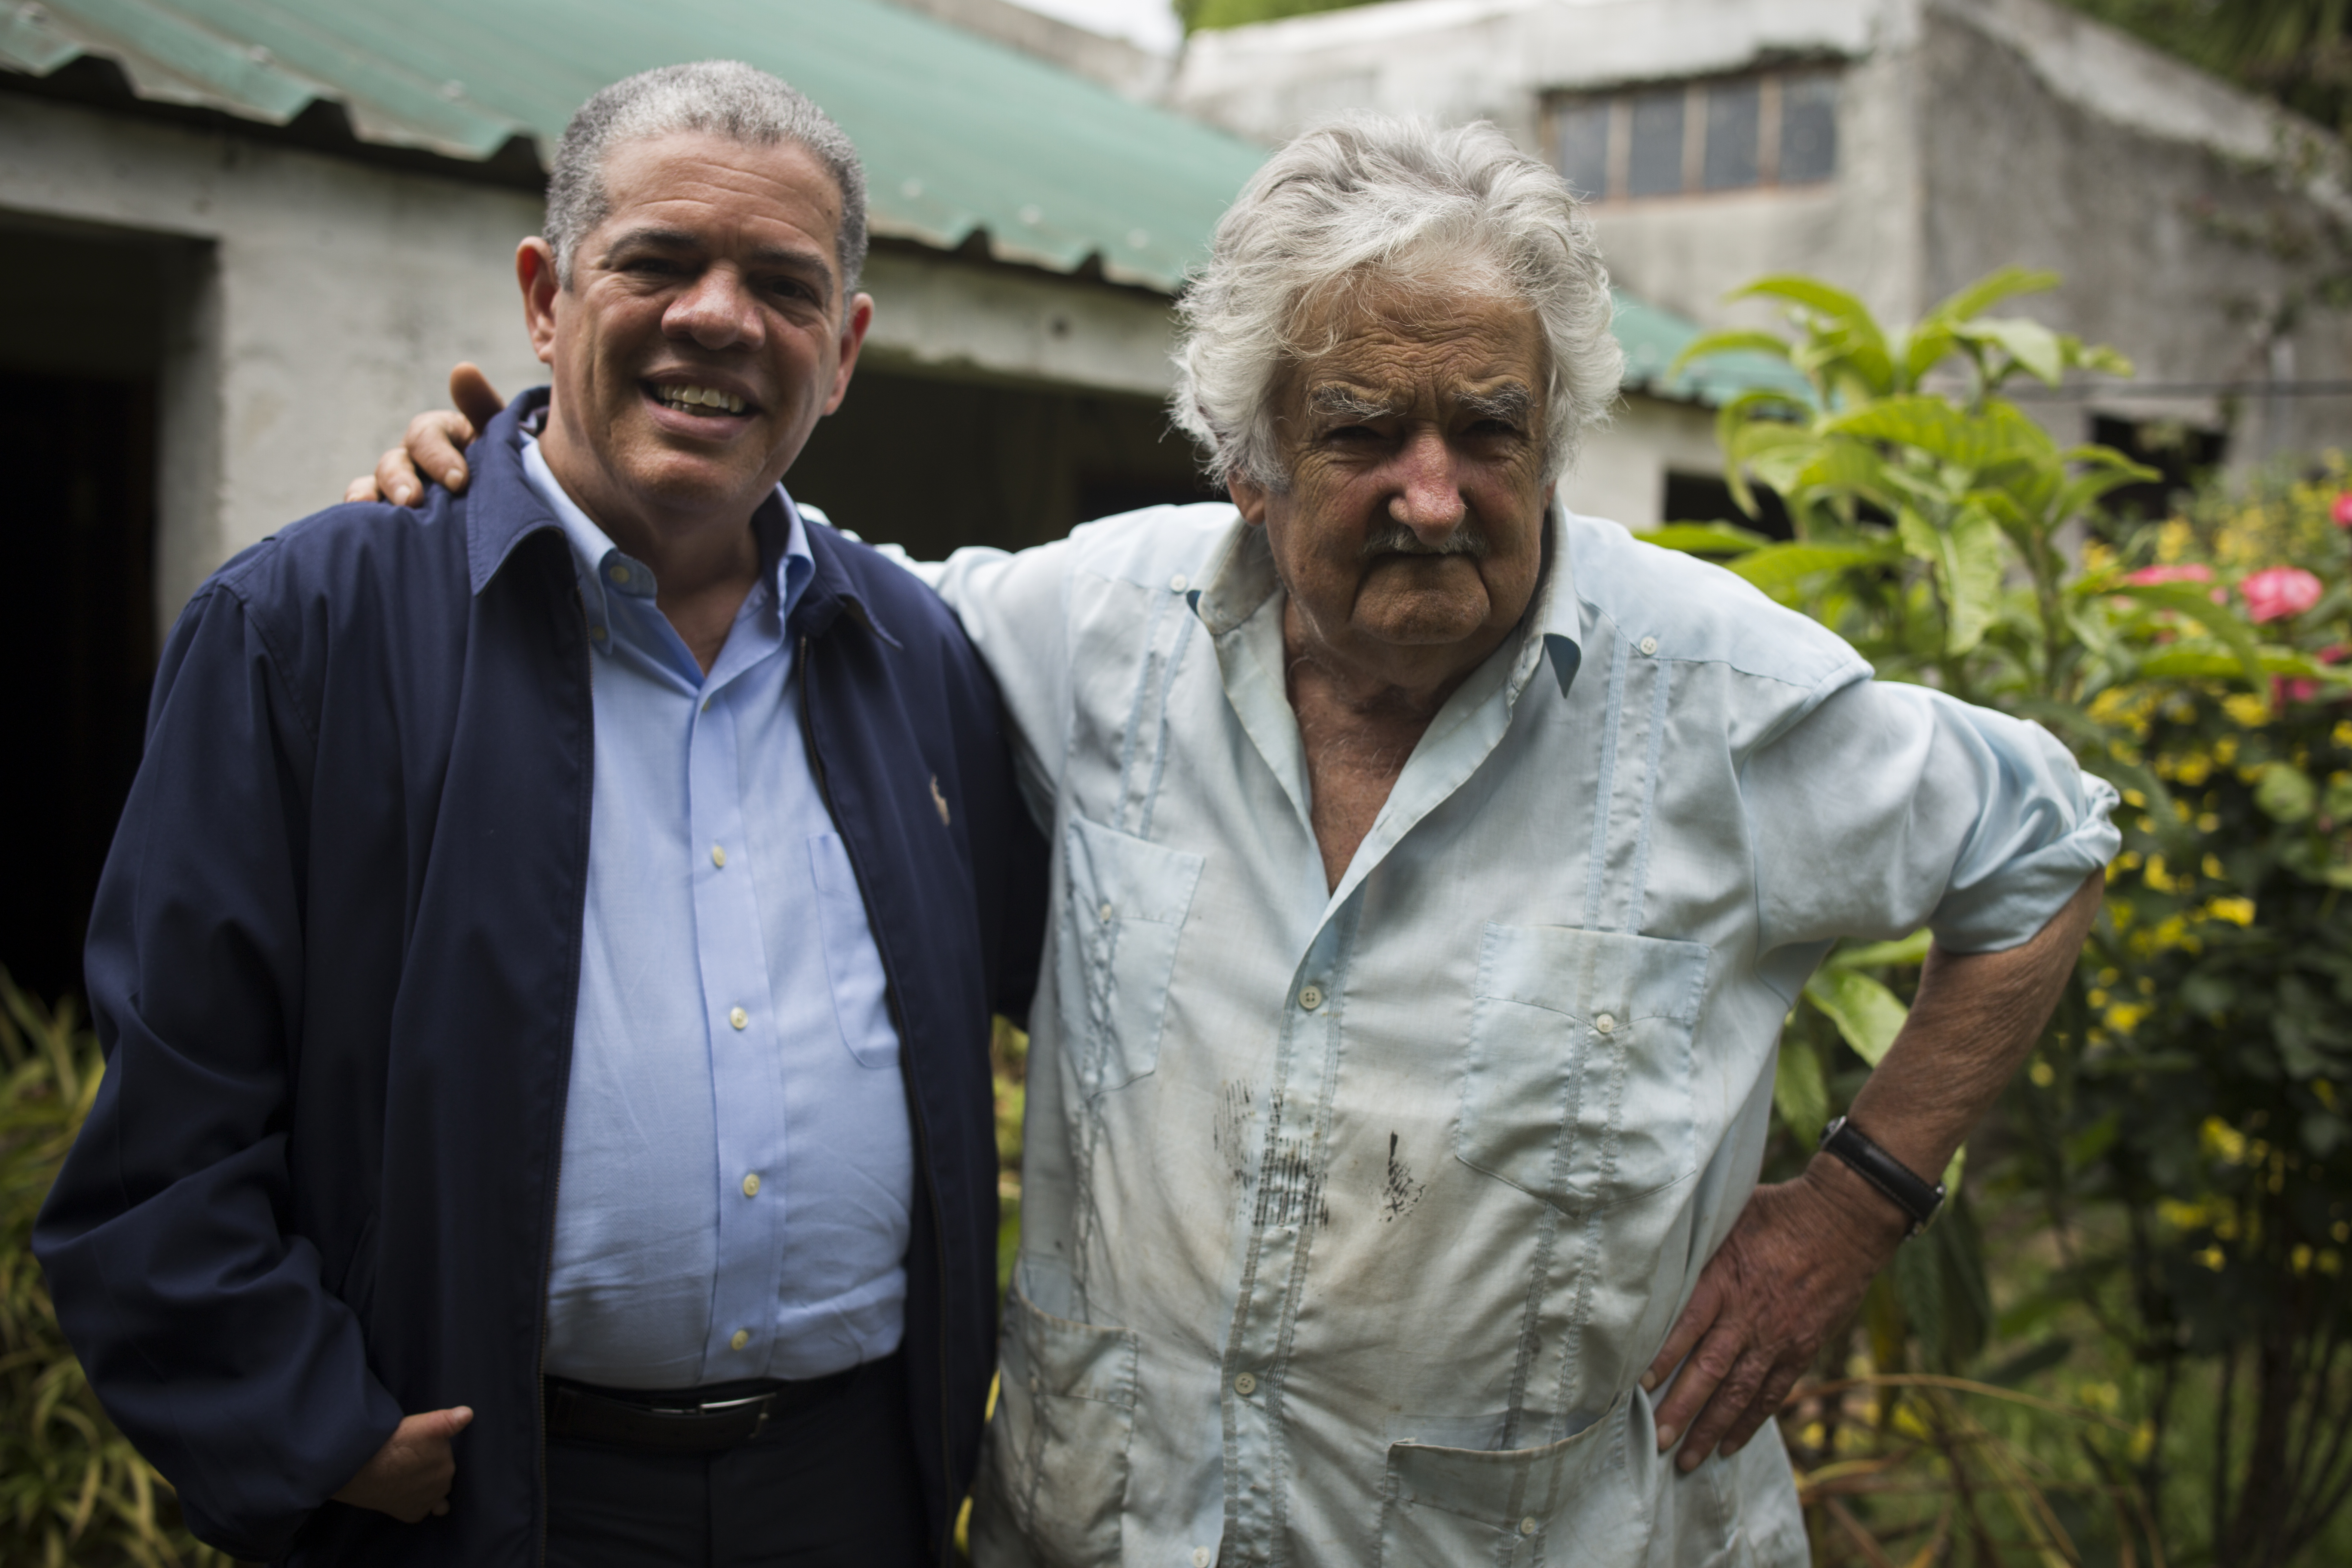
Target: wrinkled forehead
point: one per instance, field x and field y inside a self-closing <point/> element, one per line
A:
<point x="1415" y="335"/>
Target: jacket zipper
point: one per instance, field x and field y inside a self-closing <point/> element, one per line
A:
<point x="564" y="1089"/>
<point x="914" y="1110"/>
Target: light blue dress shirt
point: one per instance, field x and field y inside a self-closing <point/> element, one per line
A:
<point x="1351" y="1215"/>
<point x="738" y="1165"/>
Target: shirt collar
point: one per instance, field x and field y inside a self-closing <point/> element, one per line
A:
<point x="785" y="561"/>
<point x="1243" y="576"/>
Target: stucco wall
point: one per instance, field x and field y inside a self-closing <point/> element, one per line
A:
<point x="317" y="302"/>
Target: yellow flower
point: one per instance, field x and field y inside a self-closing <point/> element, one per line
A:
<point x="2193" y="770"/>
<point x="2181" y="1215"/>
<point x="2300" y="1259"/>
<point x="2133" y="798"/>
<point x="2211" y="864"/>
<point x="2157" y="878"/>
<point x="2342" y="733"/>
<point x="2211" y="1258"/>
<point x="2219" y="1137"/>
<point x="2175" y="540"/>
<point x="2250" y="711"/>
<point x="2124" y="1017"/>
<point x="2207" y="822"/>
<point x="2225" y="749"/>
<point x="2237" y="911"/>
<point x="2043" y="1075"/>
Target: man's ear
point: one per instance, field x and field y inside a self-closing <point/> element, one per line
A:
<point x="535" y="271"/>
<point x="1249" y="497"/>
<point x="855" y="321"/>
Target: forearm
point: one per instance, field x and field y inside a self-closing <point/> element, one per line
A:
<point x="1975" y="1019"/>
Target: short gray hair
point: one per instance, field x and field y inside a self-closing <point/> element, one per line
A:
<point x="1371" y="195"/>
<point x="718" y="97"/>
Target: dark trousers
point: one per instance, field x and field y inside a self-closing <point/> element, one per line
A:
<point x="830" y="1485"/>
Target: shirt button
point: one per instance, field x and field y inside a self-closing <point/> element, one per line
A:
<point x="1202" y="1557"/>
<point x="1311" y="997"/>
<point x="618" y="574"/>
<point x="1176" y="583"/>
<point x="1606" y="1022"/>
<point x="1649" y="644"/>
<point x="751" y="1185"/>
<point x="743" y="1337"/>
<point x="718" y="855"/>
<point x="1106" y="911"/>
<point x="1245" y="1384"/>
<point x="740" y="1018"/>
<point x="1528" y="1526"/>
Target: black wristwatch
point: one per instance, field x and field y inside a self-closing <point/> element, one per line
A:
<point x="1904" y="1188"/>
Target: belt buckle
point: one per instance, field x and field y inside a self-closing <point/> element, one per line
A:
<point x="724" y="1406"/>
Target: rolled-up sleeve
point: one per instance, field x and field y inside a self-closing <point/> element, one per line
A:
<point x="1890" y="808"/>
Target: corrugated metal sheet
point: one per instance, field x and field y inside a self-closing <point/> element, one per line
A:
<point x="959" y="134"/>
<point x="1651" y="337"/>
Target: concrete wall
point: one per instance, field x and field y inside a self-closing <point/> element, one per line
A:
<point x="312" y="303"/>
<point x="1621" y="474"/>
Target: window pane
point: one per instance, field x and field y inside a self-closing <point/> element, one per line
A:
<point x="1655" y="167"/>
<point x="1808" y="129"/>
<point x="1581" y="129"/>
<point x="1732" y="108"/>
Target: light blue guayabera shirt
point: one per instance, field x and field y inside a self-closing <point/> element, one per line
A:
<point x="738" y="1165"/>
<point x="1351" y="1216"/>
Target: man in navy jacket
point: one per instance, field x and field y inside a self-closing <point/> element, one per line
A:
<point x="366" y="956"/>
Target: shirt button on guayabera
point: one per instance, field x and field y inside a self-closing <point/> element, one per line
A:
<point x="1245" y="1384"/>
<point x="1529" y="1525"/>
<point x="740" y="1018"/>
<point x="751" y="1185"/>
<point x="1176" y="583"/>
<point x="1605" y="1022"/>
<point x="718" y="855"/>
<point x="1649" y="646"/>
<point x="1202" y="1557"/>
<point x="743" y="1337"/>
<point x="1311" y="997"/>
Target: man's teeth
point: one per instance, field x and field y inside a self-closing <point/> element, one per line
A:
<point x="699" y="397"/>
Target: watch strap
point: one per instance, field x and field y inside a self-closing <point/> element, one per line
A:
<point x="1904" y="1187"/>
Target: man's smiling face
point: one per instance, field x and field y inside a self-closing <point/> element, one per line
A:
<point x="702" y="334"/>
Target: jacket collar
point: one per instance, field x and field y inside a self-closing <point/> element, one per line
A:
<point x="504" y="509"/>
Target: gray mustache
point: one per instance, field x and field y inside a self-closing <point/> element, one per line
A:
<point x="1394" y="538"/>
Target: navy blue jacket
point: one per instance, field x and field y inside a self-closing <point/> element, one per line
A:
<point x="334" y="961"/>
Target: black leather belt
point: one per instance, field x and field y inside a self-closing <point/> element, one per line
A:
<point x="691" y="1421"/>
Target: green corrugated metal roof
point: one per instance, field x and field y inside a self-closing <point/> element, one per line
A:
<point x="959" y="134"/>
<point x="1652" y="336"/>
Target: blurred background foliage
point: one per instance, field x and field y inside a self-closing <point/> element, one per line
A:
<point x="2126" y="1342"/>
<point x="71" y="1488"/>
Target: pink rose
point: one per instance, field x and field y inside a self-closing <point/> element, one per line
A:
<point x="2194" y="572"/>
<point x="2277" y="591"/>
<point x="2342" y="511"/>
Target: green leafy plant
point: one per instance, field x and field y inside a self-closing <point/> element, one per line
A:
<point x="1931" y="518"/>
<point x="72" y="1489"/>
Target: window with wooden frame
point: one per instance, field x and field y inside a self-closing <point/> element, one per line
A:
<point x="1718" y="133"/>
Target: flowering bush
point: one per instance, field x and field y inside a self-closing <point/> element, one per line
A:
<point x="2183" y="1127"/>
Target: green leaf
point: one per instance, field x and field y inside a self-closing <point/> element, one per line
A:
<point x="1867" y="1014"/>
<point x="1979" y="555"/>
<point x="1799" y="1092"/>
<point x="1989" y="291"/>
<point x="2195" y="602"/>
<point x="1778" y="568"/>
<point x="1998" y="434"/>
<point x="2033" y="346"/>
<point x="1704" y="538"/>
<point x="1910" y="953"/>
<point x="2286" y="793"/>
<point x="1746" y="341"/>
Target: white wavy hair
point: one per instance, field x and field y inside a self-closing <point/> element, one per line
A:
<point x="1377" y="198"/>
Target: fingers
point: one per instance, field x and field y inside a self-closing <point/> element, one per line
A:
<point x="396" y="480"/>
<point x="363" y="488"/>
<point x="1766" y="1404"/>
<point x="1699" y="1316"/>
<point x="435" y="442"/>
<point x="471" y="390"/>
<point x="1734" y="1397"/>
<point x="1703" y="1372"/>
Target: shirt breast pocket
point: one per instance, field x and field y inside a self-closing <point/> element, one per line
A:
<point x="1578" y="1088"/>
<point x="1124" y="907"/>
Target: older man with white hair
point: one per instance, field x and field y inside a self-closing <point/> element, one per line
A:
<point x="1433" y="871"/>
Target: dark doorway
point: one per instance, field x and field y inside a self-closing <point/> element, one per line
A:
<point x="932" y="463"/>
<point x="2181" y="454"/>
<point x="78" y="653"/>
<point x="1705" y="498"/>
<point x="82" y="327"/>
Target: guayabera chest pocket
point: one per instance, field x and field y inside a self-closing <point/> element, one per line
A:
<point x="1123" y="909"/>
<point x="1578" y="1085"/>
